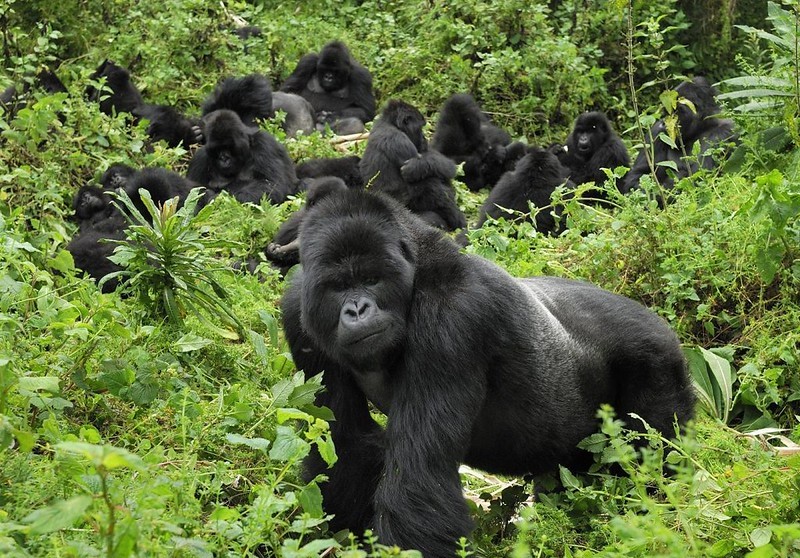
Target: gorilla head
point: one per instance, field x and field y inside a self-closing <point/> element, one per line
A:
<point x="701" y="94"/>
<point x="227" y="143"/>
<point x="409" y="120"/>
<point x="89" y="201"/>
<point x="591" y="131"/>
<point x="357" y="293"/>
<point x="334" y="66"/>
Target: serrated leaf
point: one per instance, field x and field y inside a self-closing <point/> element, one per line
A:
<point x="260" y="444"/>
<point x="326" y="450"/>
<point x="285" y="414"/>
<point x="310" y="498"/>
<point x="191" y="342"/>
<point x="288" y="445"/>
<point x="143" y="393"/>
<point x="568" y="479"/>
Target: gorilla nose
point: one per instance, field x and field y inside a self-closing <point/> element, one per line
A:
<point x="357" y="312"/>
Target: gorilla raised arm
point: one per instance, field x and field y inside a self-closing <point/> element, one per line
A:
<point x="247" y="162"/>
<point x="465" y="135"/>
<point x="469" y="364"/>
<point x="398" y="162"/>
<point x="338" y="87"/>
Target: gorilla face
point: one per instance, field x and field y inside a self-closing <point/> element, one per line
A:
<point x="358" y="281"/>
<point x="89" y="201"/>
<point x="591" y="131"/>
<point x="228" y="143"/>
<point x="333" y="68"/>
<point x="408" y="120"/>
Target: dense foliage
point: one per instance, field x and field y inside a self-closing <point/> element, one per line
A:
<point x="171" y="422"/>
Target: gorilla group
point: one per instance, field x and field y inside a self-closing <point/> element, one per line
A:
<point x="469" y="364"/>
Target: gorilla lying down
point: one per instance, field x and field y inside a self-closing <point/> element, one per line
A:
<point x="469" y="364"/>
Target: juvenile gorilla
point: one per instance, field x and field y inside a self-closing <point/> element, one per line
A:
<point x="591" y="147"/>
<point x="346" y="168"/>
<point x="465" y="135"/>
<point x="398" y="162"/>
<point x="695" y="125"/>
<point x="533" y="181"/>
<point x="165" y="122"/>
<point x="338" y="87"/>
<point x="124" y="96"/>
<point x="469" y="364"/>
<point x="283" y="251"/>
<point x="246" y="162"/>
<point x="100" y="221"/>
<point x="250" y="97"/>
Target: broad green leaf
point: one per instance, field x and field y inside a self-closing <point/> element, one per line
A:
<point x="310" y="498"/>
<point x="288" y="445"/>
<point x="61" y="515"/>
<point x="568" y="479"/>
<point x="38" y="383"/>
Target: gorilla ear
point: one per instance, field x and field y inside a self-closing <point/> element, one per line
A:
<point x="408" y="251"/>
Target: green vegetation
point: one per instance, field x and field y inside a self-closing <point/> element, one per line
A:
<point x="172" y="422"/>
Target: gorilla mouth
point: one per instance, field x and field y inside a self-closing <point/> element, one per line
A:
<point x="369" y="335"/>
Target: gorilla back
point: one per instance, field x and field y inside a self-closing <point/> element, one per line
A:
<point x="469" y="364"/>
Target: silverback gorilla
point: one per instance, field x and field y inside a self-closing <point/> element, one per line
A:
<point x="338" y="87"/>
<point x="469" y="364"/>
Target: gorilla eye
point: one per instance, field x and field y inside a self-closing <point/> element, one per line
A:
<point x="371" y="280"/>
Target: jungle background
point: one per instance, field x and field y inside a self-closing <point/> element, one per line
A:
<point x="125" y="432"/>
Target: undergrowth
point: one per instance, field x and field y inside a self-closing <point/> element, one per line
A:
<point x="129" y="428"/>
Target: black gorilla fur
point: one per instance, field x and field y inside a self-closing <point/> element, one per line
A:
<point x="338" y="87"/>
<point x="346" y="168"/>
<point x="398" y="162"/>
<point x="533" y="181"/>
<point x="700" y="125"/>
<point x="592" y="146"/>
<point x="466" y="135"/>
<point x="165" y="122"/>
<point x="169" y="125"/>
<point x="283" y="251"/>
<point x="469" y="364"/>
<point x="124" y="96"/>
<point x="12" y="99"/>
<point x="246" y="162"/>
<point x="100" y="221"/>
<point x="250" y="97"/>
